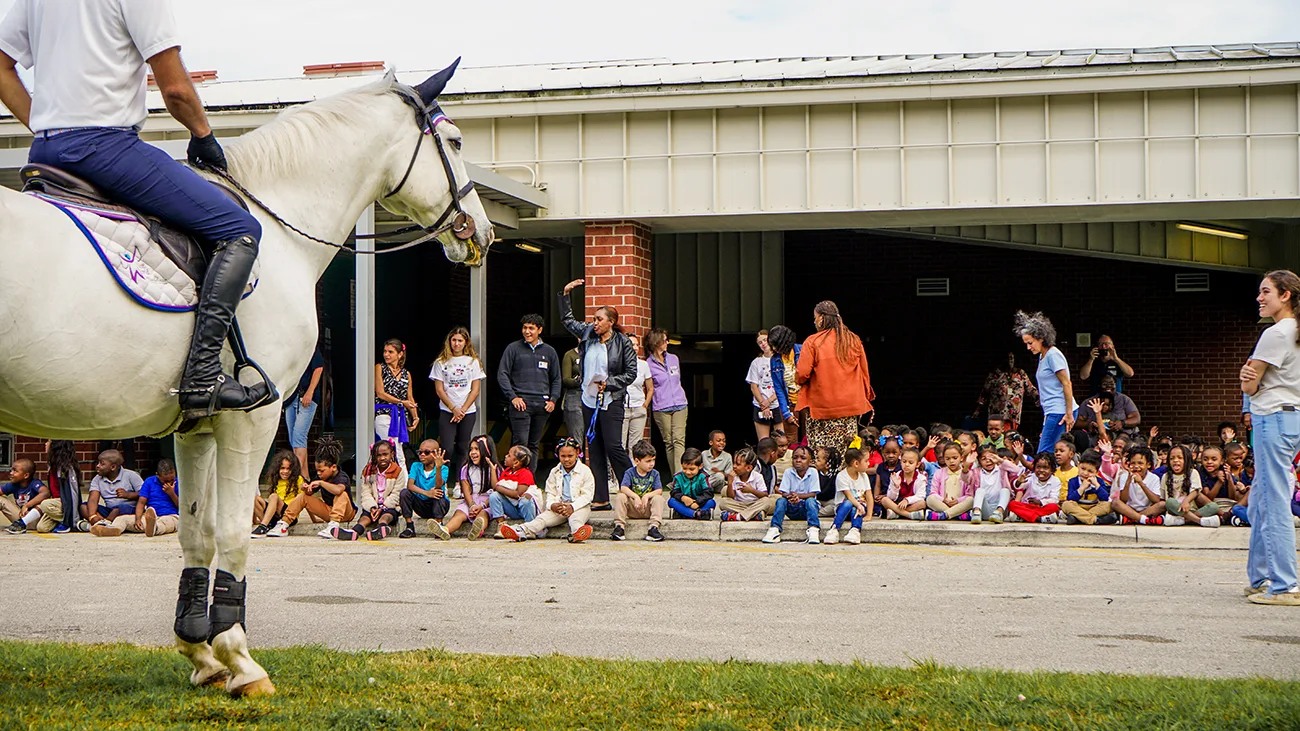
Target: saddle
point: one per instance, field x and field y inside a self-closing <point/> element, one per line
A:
<point x="178" y="245"/>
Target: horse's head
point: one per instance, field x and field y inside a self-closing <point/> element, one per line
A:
<point x="430" y="184"/>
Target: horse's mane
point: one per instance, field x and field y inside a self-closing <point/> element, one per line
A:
<point x="272" y="149"/>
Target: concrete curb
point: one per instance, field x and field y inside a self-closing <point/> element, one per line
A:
<point x="941" y="533"/>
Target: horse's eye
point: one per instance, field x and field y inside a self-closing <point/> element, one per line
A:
<point x="456" y="145"/>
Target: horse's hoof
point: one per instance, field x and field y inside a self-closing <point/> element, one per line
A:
<point x="220" y="676"/>
<point x="261" y="686"/>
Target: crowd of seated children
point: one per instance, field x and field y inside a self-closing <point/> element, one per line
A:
<point x="156" y="511"/>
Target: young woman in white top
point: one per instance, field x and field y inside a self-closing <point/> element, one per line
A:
<point x="1271" y="378"/>
<point x="766" y="411"/>
<point x="456" y="376"/>
<point x="639" y="392"/>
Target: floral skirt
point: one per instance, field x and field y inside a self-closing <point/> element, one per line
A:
<point x="834" y="434"/>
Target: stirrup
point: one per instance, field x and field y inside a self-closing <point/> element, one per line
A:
<point x="213" y="392"/>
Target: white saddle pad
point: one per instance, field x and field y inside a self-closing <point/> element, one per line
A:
<point x="136" y="261"/>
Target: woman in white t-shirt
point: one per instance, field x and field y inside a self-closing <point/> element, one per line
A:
<point x="1271" y="378"/>
<point x="759" y="378"/>
<point x="456" y="374"/>
<point x="639" y="392"/>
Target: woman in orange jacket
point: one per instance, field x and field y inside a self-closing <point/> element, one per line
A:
<point x="836" y="384"/>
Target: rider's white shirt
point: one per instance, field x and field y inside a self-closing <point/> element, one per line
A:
<point x="89" y="57"/>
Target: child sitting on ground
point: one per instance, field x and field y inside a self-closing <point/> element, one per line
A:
<point x="992" y="487"/>
<point x="478" y="479"/>
<point x="515" y="493"/>
<point x="691" y="495"/>
<point x="285" y="475"/>
<point x="1066" y="469"/>
<point x="827" y="462"/>
<point x="1038" y="492"/>
<point x="1180" y="487"/>
<point x="748" y="497"/>
<point x="23" y="509"/>
<point x="569" y="490"/>
<point x="905" y="497"/>
<point x="891" y="452"/>
<point x="426" y="488"/>
<point x="380" y="496"/>
<point x="325" y="499"/>
<point x="640" y="494"/>
<point x="950" y="495"/>
<point x="1087" y="497"/>
<point x="797" y="499"/>
<point x="1137" y="492"/>
<point x="853" y="499"/>
<point x="717" y="463"/>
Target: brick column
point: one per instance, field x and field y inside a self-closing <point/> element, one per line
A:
<point x="617" y="269"/>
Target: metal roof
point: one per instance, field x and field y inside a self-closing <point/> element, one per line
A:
<point x="559" y="77"/>
<point x="645" y="73"/>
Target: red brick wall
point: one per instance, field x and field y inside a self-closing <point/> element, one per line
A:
<point x="617" y="271"/>
<point x="929" y="355"/>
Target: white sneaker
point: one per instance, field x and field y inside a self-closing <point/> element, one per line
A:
<point x="1013" y="518"/>
<point x="813" y="535"/>
<point x="853" y="537"/>
<point x="1049" y="519"/>
<point x="280" y="530"/>
<point x="328" y="528"/>
<point x="773" y="535"/>
<point x="975" y="516"/>
<point x="1212" y="522"/>
<point x="1175" y="520"/>
<point x="832" y="537"/>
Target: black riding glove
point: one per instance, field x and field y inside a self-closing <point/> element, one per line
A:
<point x="206" y="152"/>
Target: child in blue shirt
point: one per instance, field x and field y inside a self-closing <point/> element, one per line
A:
<point x="640" y="495"/>
<point x="1087" y="498"/>
<point x="20" y="499"/>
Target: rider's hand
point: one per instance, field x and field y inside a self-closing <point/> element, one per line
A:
<point x="206" y="152"/>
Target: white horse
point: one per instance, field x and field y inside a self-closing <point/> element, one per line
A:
<point x="79" y="359"/>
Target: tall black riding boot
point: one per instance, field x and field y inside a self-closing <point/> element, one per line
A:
<point x="205" y="389"/>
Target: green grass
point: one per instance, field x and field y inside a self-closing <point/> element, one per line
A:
<point x="49" y="685"/>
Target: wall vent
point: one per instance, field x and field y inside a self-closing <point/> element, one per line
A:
<point x="1192" y="282"/>
<point x="932" y="287"/>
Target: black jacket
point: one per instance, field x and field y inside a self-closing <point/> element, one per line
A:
<point x="522" y="374"/>
<point x="622" y="356"/>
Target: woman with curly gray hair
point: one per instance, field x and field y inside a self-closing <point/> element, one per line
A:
<point x="1055" y="391"/>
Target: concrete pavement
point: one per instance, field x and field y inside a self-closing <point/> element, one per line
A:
<point x="1172" y="611"/>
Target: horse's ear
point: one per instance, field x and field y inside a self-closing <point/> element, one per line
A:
<point x="390" y="76"/>
<point x="431" y="87"/>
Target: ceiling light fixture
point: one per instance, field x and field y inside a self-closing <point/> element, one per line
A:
<point x="1226" y="233"/>
<point x="530" y="248"/>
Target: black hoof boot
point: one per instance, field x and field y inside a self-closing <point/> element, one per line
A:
<point x="227" y="604"/>
<point x="192" y="606"/>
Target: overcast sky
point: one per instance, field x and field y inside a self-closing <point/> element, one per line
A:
<point x="247" y="39"/>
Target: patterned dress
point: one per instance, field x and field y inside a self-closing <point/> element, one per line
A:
<point x="1004" y="393"/>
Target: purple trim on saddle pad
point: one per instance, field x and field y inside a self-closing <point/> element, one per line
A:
<point x="112" y="215"/>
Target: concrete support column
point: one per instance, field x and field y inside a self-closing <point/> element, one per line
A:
<point x="365" y="340"/>
<point x="478" y="334"/>
<point x="616" y="267"/>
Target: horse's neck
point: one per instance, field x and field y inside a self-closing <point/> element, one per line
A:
<point x="321" y="191"/>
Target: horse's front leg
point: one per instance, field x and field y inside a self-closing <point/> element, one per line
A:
<point x="196" y="465"/>
<point x="243" y="440"/>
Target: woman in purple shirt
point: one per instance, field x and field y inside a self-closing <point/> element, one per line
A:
<point x="668" y="403"/>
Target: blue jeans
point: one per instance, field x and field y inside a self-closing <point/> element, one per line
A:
<point x="298" y="419"/>
<point x="1272" y="556"/>
<point x="843" y="512"/>
<point x="805" y="510"/>
<point x="1053" y="429"/>
<point x="502" y="507"/>
<point x="686" y="512"/>
<point x="1240" y="513"/>
<point x="142" y="176"/>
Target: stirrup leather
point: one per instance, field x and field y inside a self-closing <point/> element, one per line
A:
<point x="236" y="340"/>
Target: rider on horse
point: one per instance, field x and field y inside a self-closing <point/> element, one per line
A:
<point x="89" y="58"/>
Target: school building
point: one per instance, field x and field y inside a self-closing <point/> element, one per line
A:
<point x="1138" y="193"/>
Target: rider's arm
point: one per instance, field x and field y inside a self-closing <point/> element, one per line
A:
<point x="13" y="93"/>
<point x="178" y="91"/>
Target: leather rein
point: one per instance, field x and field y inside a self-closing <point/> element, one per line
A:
<point x="461" y="225"/>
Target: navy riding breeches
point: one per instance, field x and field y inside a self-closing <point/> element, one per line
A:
<point x="144" y="177"/>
